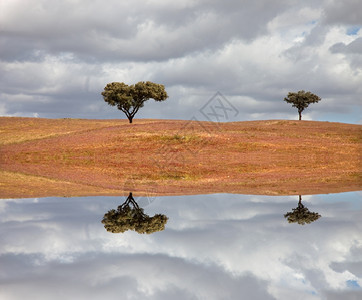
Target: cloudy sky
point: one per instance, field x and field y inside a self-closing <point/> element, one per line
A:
<point x="57" y="56"/>
<point x="214" y="247"/>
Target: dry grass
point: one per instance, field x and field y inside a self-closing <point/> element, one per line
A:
<point x="179" y="157"/>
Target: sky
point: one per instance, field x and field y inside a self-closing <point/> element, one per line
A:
<point x="214" y="247"/>
<point x="57" y="56"/>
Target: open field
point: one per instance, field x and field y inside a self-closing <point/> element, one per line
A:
<point x="71" y="157"/>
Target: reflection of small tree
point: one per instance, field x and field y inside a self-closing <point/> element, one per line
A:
<point x="301" y="214"/>
<point x="129" y="216"/>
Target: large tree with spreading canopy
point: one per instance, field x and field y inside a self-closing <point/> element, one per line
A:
<point x="130" y="98"/>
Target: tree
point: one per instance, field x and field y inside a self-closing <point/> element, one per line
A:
<point x="301" y="100"/>
<point x="130" y="98"/>
<point x="301" y="214"/>
<point x="132" y="218"/>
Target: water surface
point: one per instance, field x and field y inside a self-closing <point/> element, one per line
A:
<point x="219" y="246"/>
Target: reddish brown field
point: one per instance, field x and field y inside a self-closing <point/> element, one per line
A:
<point x="71" y="157"/>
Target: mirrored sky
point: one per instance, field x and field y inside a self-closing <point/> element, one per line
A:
<point x="214" y="247"/>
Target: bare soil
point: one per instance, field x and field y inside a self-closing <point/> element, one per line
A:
<point x="74" y="157"/>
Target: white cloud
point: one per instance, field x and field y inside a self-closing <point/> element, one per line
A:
<point x="254" y="50"/>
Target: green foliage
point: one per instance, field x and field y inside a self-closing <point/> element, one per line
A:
<point x="301" y="100"/>
<point x="132" y="218"/>
<point x="130" y="98"/>
<point x="301" y="215"/>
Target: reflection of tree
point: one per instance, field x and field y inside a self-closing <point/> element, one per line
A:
<point x="129" y="216"/>
<point x="301" y="214"/>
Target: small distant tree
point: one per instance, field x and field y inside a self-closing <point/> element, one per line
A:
<point x="301" y="100"/>
<point x="129" y="216"/>
<point x="130" y="98"/>
<point x="301" y="214"/>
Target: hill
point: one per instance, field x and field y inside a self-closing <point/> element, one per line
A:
<point x="74" y="157"/>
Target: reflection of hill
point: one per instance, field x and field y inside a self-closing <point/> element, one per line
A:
<point x="180" y="157"/>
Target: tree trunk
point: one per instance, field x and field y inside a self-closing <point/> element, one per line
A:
<point x="130" y="119"/>
<point x="300" y="205"/>
<point x="300" y="115"/>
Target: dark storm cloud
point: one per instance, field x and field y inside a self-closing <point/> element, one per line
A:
<point x="63" y="27"/>
<point x="344" y="12"/>
<point x="354" y="47"/>
<point x="57" y="59"/>
<point x="352" y="51"/>
<point x="123" y="31"/>
<point x="351" y="295"/>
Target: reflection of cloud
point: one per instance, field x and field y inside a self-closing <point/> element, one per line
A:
<point x="213" y="245"/>
<point x="337" y="295"/>
<point x="137" y="276"/>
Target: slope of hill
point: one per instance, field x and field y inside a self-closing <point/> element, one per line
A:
<point x="71" y="157"/>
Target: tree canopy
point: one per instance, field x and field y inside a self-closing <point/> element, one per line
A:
<point x="301" y="214"/>
<point x="129" y="216"/>
<point x="301" y="100"/>
<point x="130" y="98"/>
